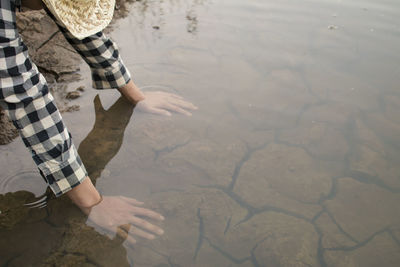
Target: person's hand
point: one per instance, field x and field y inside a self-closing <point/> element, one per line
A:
<point x="123" y="216"/>
<point x="163" y="103"/>
<point x="156" y="102"/>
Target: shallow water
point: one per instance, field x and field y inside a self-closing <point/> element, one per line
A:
<point x="293" y="158"/>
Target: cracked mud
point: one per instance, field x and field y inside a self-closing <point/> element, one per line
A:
<point x="292" y="161"/>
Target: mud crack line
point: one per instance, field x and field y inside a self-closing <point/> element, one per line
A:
<point x="239" y="165"/>
<point x="168" y="149"/>
<point x="48" y="40"/>
<point x="201" y="234"/>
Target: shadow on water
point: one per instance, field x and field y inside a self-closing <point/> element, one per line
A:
<point x="105" y="139"/>
<point x="57" y="234"/>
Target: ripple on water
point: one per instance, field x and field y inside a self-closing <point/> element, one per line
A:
<point x="27" y="180"/>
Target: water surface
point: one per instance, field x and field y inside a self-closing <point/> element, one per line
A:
<point x="293" y="158"/>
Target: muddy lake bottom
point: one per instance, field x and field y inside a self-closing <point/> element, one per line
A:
<point x="293" y="158"/>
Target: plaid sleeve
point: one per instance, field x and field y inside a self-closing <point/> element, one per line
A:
<point x="25" y="97"/>
<point x="102" y="56"/>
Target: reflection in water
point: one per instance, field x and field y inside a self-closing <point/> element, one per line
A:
<point x="69" y="241"/>
<point x="105" y="139"/>
<point x="150" y="14"/>
<point x="192" y="22"/>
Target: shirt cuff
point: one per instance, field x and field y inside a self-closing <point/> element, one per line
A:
<point x="63" y="176"/>
<point x="116" y="78"/>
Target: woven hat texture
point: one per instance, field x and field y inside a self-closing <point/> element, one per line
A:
<point x="82" y="17"/>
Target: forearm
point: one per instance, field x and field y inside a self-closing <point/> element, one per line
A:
<point x="85" y="195"/>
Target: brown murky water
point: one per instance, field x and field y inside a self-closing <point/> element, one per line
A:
<point x="293" y="158"/>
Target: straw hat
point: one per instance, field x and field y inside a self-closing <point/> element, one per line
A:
<point x="82" y="17"/>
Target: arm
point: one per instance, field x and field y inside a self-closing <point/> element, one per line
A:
<point x="109" y="72"/>
<point x="25" y="97"/>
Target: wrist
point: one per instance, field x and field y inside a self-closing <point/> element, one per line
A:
<point x="132" y="92"/>
<point x="87" y="209"/>
<point x="85" y="195"/>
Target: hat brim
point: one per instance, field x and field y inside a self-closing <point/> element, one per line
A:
<point x="82" y="18"/>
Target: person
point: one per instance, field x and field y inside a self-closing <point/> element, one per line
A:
<point x="25" y="96"/>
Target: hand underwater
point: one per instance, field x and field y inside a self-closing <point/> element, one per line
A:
<point x="123" y="216"/>
<point x="163" y="103"/>
<point x="156" y="102"/>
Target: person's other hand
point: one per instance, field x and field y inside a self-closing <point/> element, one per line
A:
<point x="164" y="103"/>
<point x="123" y="216"/>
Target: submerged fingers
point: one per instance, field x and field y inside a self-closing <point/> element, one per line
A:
<point x="180" y="101"/>
<point x="174" y="96"/>
<point x="181" y="110"/>
<point x="132" y="201"/>
<point x="123" y="231"/>
<point x="146" y="226"/>
<point x="160" y="111"/>
<point x="177" y="109"/>
<point x="125" y="235"/>
<point x="183" y="103"/>
<point x="148" y="213"/>
<point x="141" y="233"/>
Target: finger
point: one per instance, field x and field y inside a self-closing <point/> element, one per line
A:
<point x="141" y="233"/>
<point x="182" y="102"/>
<point x="163" y="94"/>
<point x="177" y="109"/>
<point x="121" y="233"/>
<point x="132" y="201"/>
<point x="185" y="104"/>
<point x="125" y="227"/>
<point x="148" y="213"/>
<point x="146" y="226"/>
<point x="181" y="111"/>
<point x="160" y="111"/>
<point x="173" y="95"/>
<point x="131" y="241"/>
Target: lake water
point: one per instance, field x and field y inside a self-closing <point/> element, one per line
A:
<point x="293" y="158"/>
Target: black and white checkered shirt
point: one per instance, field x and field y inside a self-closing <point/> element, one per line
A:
<point x="25" y="96"/>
